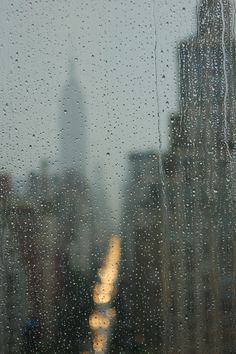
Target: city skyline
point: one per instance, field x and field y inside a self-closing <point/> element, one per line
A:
<point x="113" y="48"/>
<point x="119" y="104"/>
<point x="125" y="241"/>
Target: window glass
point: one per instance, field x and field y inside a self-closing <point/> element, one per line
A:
<point x="117" y="176"/>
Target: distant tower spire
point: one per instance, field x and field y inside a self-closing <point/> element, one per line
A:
<point x="214" y="15"/>
<point x="72" y="70"/>
<point x="72" y="124"/>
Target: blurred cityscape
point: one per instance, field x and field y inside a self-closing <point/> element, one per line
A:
<point x="167" y="283"/>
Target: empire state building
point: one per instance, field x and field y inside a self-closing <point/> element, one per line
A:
<point x="72" y="124"/>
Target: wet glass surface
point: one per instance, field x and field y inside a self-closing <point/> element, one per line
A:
<point x="118" y="177"/>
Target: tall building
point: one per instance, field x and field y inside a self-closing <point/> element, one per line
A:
<point x="12" y="275"/>
<point x="74" y="189"/>
<point x="55" y="229"/>
<point x="205" y="154"/>
<point x="190" y="242"/>
<point x="207" y="84"/>
<point x="72" y="125"/>
<point x="140" y="288"/>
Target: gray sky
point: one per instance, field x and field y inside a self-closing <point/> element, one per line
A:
<point x="112" y="43"/>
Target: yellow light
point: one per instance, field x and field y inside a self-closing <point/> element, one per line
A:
<point x="111" y="313"/>
<point x="98" y="320"/>
<point x="108" y="273"/>
<point x="99" y="342"/>
<point x="104" y="291"/>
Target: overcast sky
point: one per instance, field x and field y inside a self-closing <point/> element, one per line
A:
<point x="112" y="43"/>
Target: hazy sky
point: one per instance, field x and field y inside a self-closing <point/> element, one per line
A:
<point x="112" y="43"/>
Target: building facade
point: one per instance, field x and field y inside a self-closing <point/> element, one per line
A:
<point x="180" y="208"/>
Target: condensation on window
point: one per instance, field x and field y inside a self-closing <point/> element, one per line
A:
<point x="118" y="177"/>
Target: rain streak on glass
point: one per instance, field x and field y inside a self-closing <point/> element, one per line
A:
<point x="118" y="177"/>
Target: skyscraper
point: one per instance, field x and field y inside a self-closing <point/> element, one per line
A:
<point x="75" y="191"/>
<point x="207" y="83"/>
<point x="192" y="245"/>
<point x="72" y="125"/>
<point x="205" y="157"/>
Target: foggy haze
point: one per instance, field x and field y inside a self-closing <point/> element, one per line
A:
<point x="112" y="44"/>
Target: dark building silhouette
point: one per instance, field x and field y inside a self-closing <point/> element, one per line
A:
<point x="140" y="288"/>
<point x="206" y="160"/>
<point x="180" y="208"/>
<point x="12" y="277"/>
<point x="207" y="80"/>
